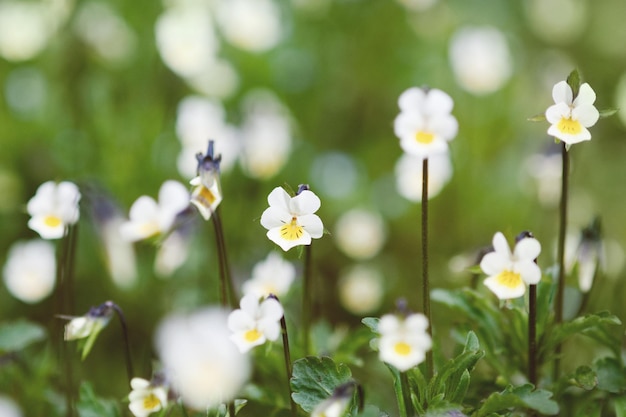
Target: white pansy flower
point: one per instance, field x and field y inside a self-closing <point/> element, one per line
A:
<point x="30" y="270"/>
<point x="90" y="324"/>
<point x="403" y="341"/>
<point x="291" y="220"/>
<point x="425" y="123"/>
<point x="510" y="272"/>
<point x="146" y="398"/>
<point x="360" y="233"/>
<point x="253" y="25"/>
<point x="53" y="208"/>
<point x="571" y="116"/>
<point x="149" y="218"/>
<point x="408" y="172"/>
<point x="255" y="323"/>
<point x="273" y="275"/>
<point x="201" y="361"/>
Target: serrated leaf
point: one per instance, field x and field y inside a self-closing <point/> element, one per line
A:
<point x="19" y="335"/>
<point x="314" y="379"/>
<point x="573" y="80"/>
<point x="519" y="397"/>
<point x="541" y="117"/>
<point x="611" y="376"/>
<point x="607" y="113"/>
<point x="372" y="323"/>
<point x="585" y="378"/>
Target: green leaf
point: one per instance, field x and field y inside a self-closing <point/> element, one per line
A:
<point x="89" y="405"/>
<point x="372" y="323"/>
<point x="581" y="325"/>
<point x="573" y="80"/>
<point x="458" y="393"/>
<point x="519" y="397"/>
<point x="541" y="117"/>
<point x="585" y="378"/>
<point x="471" y="343"/>
<point x="314" y="379"/>
<point x="19" y="335"/>
<point x="611" y="376"/>
<point x="372" y="411"/>
<point x="620" y="406"/>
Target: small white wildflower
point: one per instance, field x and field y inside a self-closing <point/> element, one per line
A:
<point x="53" y="208"/>
<point x="273" y="275"/>
<point x="30" y="270"/>
<point x="146" y="398"/>
<point x="571" y="116"/>
<point x="403" y="341"/>
<point x="256" y="322"/>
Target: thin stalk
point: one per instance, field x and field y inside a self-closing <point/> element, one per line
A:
<point x="425" y="279"/>
<point x="404" y="400"/>
<point x="287" y="356"/>
<point x="227" y="292"/>
<point x="558" y="313"/>
<point x="231" y="408"/>
<point x="306" y="298"/>
<point x="122" y="318"/>
<point x="532" y="335"/>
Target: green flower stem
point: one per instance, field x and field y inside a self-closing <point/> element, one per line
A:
<point x="532" y="334"/>
<point x="558" y="313"/>
<point x="122" y="318"/>
<point x="425" y="280"/>
<point x="287" y="356"/>
<point x="227" y="292"/>
<point x="404" y="398"/>
<point x="231" y="408"/>
<point x="306" y="298"/>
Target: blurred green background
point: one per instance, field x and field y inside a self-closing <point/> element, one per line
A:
<point x="91" y="93"/>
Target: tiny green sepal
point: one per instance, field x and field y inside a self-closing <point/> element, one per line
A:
<point x="573" y="80"/>
<point x="541" y="117"/>
<point x="607" y="113"/>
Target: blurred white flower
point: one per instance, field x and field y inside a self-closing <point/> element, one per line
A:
<point x="100" y="27"/>
<point x="30" y="270"/>
<point x="417" y="5"/>
<point x="586" y="252"/>
<point x="408" y="172"/>
<point x="9" y="408"/>
<point x="172" y="254"/>
<point x="509" y="273"/>
<point x="90" y="324"/>
<point x="146" y="398"/>
<point x="149" y="218"/>
<point x="361" y="289"/>
<point x="425" y="123"/>
<point x="53" y="208"/>
<point x="403" y="341"/>
<point x="256" y="322"/>
<point x="480" y="58"/>
<point x="265" y="135"/>
<point x="291" y="220"/>
<point x="198" y="120"/>
<point x="546" y="169"/>
<point x="218" y="79"/>
<point x="273" y="275"/>
<point x="567" y="28"/>
<point x="571" y="116"/>
<point x="119" y="253"/>
<point x="253" y="25"/>
<point x="337" y="404"/>
<point x="25" y="29"/>
<point x="360" y="233"/>
<point x="204" y="365"/>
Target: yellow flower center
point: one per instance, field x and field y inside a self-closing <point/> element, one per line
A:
<point x="150" y="402"/>
<point x="292" y="231"/>
<point x="52" y="221"/>
<point x="206" y="196"/>
<point x="252" y="335"/>
<point x="424" y="137"/>
<point x="509" y="279"/>
<point x="569" y="126"/>
<point x="402" y="348"/>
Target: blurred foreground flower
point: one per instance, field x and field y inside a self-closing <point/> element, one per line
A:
<point x="8" y="407"/>
<point x="199" y="358"/>
<point x="337" y="404"/>
<point x="255" y="323"/>
<point x="403" y="341"/>
<point x="53" y="208"/>
<point x="149" y="218"/>
<point x="273" y="275"/>
<point x="30" y="270"/>
<point x="290" y="220"/>
<point x="361" y="289"/>
<point x="509" y="273"/>
<point x="253" y="25"/>
<point x="571" y="116"/>
<point x="425" y="124"/>
<point x="146" y="398"/>
<point x="587" y="253"/>
<point x="409" y="171"/>
<point x="207" y="192"/>
<point x="360" y="233"/>
<point x="88" y="327"/>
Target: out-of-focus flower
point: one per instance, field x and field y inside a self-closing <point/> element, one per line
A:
<point x="571" y="116"/>
<point x="360" y="233"/>
<point x="291" y="220"/>
<point x="336" y="405"/>
<point x="253" y="25"/>
<point x="25" y="29"/>
<point x="255" y="323"/>
<point x="425" y="124"/>
<point x="198" y="120"/>
<point x="201" y="361"/>
<point x="417" y="5"/>
<point x="146" y="398"/>
<point x="149" y="218"/>
<point x="546" y="169"/>
<point x="480" y="59"/>
<point x="509" y="273"/>
<point x="567" y="28"/>
<point x="30" y="270"/>
<point x="207" y="192"/>
<point x="100" y="27"/>
<point x="403" y="341"/>
<point x="53" y="208"/>
<point x="587" y="253"/>
<point x="172" y="253"/>
<point x="273" y="275"/>
<point x="361" y="289"/>
<point x="408" y="172"/>
<point x="89" y="326"/>
<point x="9" y="408"/>
<point x="265" y="135"/>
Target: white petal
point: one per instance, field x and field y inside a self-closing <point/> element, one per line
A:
<point x="279" y="198"/>
<point x="416" y="323"/>
<point x="244" y="345"/>
<point x="274" y="236"/>
<point x="438" y="102"/>
<point x="527" y="248"/>
<point x="445" y="126"/>
<point x="138" y="410"/>
<point x="139" y="383"/>
<point x="144" y="209"/>
<point x="567" y="138"/>
<point x="43" y="200"/>
<point x="46" y="232"/>
<point x="388" y="324"/>
<point x="529" y="271"/>
<point x="586" y="95"/>
<point x="173" y="196"/>
<point x="504" y="292"/>
<point x="407" y="124"/>
<point x="439" y="146"/>
<point x="493" y="263"/>
<point x="250" y="305"/>
<point x="501" y="246"/>
<point x="586" y="114"/>
<point x="271" y="309"/>
<point x="312" y="224"/>
<point x="304" y="203"/>
<point x="412" y="100"/>
<point x="556" y="112"/>
<point x="239" y="321"/>
<point x="275" y="217"/>
<point x="562" y="92"/>
<point x="271" y="329"/>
